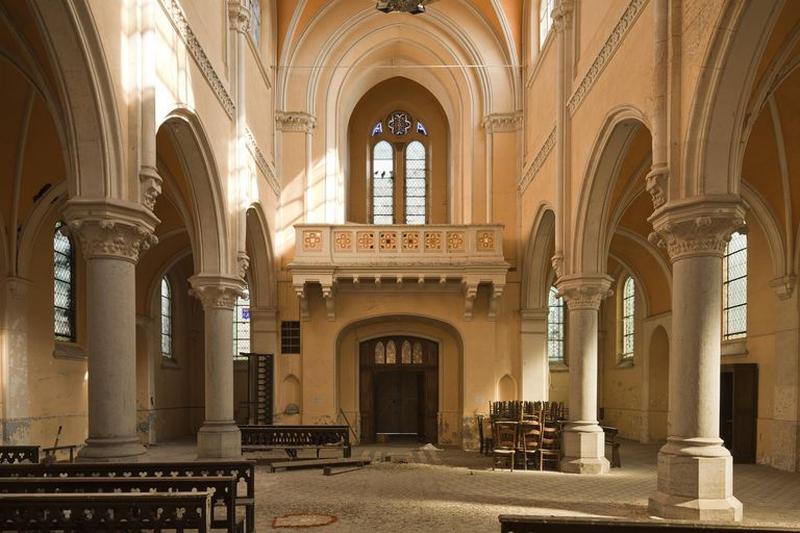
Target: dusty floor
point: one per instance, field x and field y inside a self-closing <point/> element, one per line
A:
<point x="456" y="491"/>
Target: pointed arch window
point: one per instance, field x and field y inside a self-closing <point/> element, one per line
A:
<point x="399" y="171"/>
<point x="254" y="7"/>
<point x="241" y="325"/>
<point x="628" y="323"/>
<point x="734" y="288"/>
<point x="166" y="318"/>
<point x="555" y="327"/>
<point x="545" y="20"/>
<point x="416" y="186"/>
<point x="63" y="286"/>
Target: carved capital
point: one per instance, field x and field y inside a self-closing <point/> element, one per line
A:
<point x="562" y="14"/>
<point x="584" y="291"/>
<point x="697" y="228"/>
<point x="111" y="229"/>
<point x="239" y="15"/>
<point x="295" y="121"/>
<point x="784" y="286"/>
<point x="557" y="262"/>
<point x="242" y="263"/>
<point x="502" y="122"/>
<point x="216" y="291"/>
<point x="658" y="185"/>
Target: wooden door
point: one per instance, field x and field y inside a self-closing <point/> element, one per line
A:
<point x="399" y="387"/>
<point x="739" y="410"/>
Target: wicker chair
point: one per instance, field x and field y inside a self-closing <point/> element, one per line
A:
<point x="504" y="437"/>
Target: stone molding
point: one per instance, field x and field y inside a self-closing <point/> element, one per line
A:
<point x="216" y="291"/>
<point x="562" y="14"/>
<point x="502" y="122"/>
<point x="625" y="23"/>
<point x="657" y="184"/>
<point x="111" y="229"/>
<point x="150" y="186"/>
<point x="538" y="161"/>
<point x="784" y="286"/>
<point x="239" y="16"/>
<point x="584" y="291"/>
<point x="178" y="18"/>
<point x="698" y="228"/>
<point x="295" y="121"/>
<point x="261" y="161"/>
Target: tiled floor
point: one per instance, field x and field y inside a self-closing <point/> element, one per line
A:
<point x="406" y="489"/>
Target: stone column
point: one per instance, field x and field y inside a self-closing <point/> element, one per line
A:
<point x="219" y="436"/>
<point x="583" y="440"/>
<point x="695" y="471"/>
<point x="111" y="236"/>
<point x="14" y="337"/>
<point x="533" y="345"/>
<point x="786" y="403"/>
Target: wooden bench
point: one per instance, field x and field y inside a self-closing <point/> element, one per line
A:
<point x="180" y="511"/>
<point x="243" y="470"/>
<point x="19" y="454"/>
<point x="221" y="488"/>
<point x="294" y="438"/>
<point x="571" y="524"/>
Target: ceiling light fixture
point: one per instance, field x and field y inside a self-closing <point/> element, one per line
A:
<point x="415" y="7"/>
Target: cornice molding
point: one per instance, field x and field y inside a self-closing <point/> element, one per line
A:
<point x="502" y="122"/>
<point x="538" y="161"/>
<point x="625" y="23"/>
<point x="178" y="18"/>
<point x="261" y="161"/>
<point x="295" y="121"/>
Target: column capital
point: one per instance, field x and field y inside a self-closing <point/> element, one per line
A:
<point x="562" y="14"/>
<point x="216" y="291"/>
<point x="584" y="291"/>
<point x="111" y="228"/>
<point x="239" y="15"/>
<point x="697" y="228"/>
<point x="295" y="121"/>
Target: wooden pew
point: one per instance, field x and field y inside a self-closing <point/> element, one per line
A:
<point x="294" y="438"/>
<point x="180" y="511"/>
<point x="572" y="524"/>
<point x="243" y="470"/>
<point x="221" y="488"/>
<point x="19" y="454"/>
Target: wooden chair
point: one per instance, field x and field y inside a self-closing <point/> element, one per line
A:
<point x="504" y="436"/>
<point x="485" y="442"/>
<point x="550" y="448"/>
<point x="530" y="436"/>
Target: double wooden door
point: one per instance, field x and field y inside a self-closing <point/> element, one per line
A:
<point x="399" y="388"/>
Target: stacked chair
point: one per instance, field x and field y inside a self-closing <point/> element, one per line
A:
<point x="523" y="432"/>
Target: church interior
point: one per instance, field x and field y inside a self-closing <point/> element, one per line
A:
<point x="533" y="259"/>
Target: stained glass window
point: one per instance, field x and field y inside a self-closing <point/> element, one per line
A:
<point x="391" y="353"/>
<point x="377" y="129"/>
<point x="405" y="353"/>
<point x="555" y="327"/>
<point x="545" y="19"/>
<point x="63" y="286"/>
<point x="255" y="20"/>
<point x="734" y="288"/>
<point x="416" y="170"/>
<point x="380" y="354"/>
<point x="628" y="311"/>
<point x="166" y="318"/>
<point x="399" y="122"/>
<point x="421" y="129"/>
<point x="241" y="325"/>
<point x="382" y="184"/>
<point x="290" y="336"/>
<point x="416" y="354"/>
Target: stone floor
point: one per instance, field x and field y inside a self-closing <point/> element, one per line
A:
<point x="407" y="489"/>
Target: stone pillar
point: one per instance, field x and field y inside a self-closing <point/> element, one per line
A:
<point x="218" y="438"/>
<point x="111" y="236"/>
<point x="14" y="336"/>
<point x="583" y="440"/>
<point x="695" y="471"/>
<point x="533" y="345"/>
<point x="786" y="403"/>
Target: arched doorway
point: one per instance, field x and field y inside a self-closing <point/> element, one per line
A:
<point x="399" y="388"/>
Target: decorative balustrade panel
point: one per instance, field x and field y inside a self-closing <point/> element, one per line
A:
<point x="19" y="454"/>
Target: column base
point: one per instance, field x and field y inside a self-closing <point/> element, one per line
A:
<point x="102" y="450"/>
<point x="584" y="450"/>
<point x="695" y="482"/>
<point x="219" y="440"/>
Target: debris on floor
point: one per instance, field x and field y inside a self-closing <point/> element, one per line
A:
<point x="430" y="448"/>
